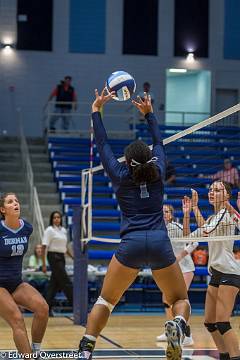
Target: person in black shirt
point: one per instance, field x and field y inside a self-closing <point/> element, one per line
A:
<point x="138" y="185"/>
<point x="65" y="101"/>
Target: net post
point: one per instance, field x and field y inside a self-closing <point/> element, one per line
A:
<point x="80" y="278"/>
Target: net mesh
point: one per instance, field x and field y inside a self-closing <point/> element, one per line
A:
<point x="197" y="156"/>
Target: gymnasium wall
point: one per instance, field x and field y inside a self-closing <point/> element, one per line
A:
<point x="27" y="77"/>
<point x="195" y="86"/>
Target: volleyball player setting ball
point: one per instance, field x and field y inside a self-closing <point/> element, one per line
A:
<point x="14" y="237"/>
<point x="138" y="185"/>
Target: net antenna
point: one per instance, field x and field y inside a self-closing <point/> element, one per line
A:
<point x="86" y="197"/>
<point x="87" y="179"/>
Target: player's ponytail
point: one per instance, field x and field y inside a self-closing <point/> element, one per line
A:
<point x="141" y="163"/>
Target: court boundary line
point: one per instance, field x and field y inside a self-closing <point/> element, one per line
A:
<point x="112" y="342"/>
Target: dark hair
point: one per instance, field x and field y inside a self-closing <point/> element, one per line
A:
<point x="52" y="216"/>
<point x="146" y="84"/>
<point x="228" y="187"/>
<point x="145" y="172"/>
<point x="2" y="200"/>
<point x="68" y="78"/>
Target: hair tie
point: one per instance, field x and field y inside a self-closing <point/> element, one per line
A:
<point x="135" y="163"/>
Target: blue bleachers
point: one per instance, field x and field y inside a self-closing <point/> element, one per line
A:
<point x="193" y="156"/>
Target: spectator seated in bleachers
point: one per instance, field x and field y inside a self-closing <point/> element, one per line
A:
<point x="39" y="281"/>
<point x="229" y="174"/>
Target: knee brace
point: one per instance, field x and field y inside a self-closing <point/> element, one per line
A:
<point x="211" y="327"/>
<point x="223" y="327"/>
<point x="101" y="301"/>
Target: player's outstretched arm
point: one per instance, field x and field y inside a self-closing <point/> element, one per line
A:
<point x="145" y="107"/>
<point x="197" y="213"/>
<point x="101" y="99"/>
<point x="186" y="207"/>
<point x="110" y="163"/>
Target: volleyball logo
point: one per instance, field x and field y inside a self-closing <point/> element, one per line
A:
<point x="122" y="83"/>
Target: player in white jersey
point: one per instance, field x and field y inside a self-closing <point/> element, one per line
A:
<point x="223" y="267"/>
<point x="182" y="252"/>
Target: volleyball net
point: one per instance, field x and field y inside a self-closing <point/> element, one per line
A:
<point x="197" y="156"/>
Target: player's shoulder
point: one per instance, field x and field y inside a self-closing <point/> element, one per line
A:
<point x="27" y="226"/>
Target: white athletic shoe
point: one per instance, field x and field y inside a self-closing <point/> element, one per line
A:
<point x="188" y="341"/>
<point x="161" y="337"/>
<point x="175" y="337"/>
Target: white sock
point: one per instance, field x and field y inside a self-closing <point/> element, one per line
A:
<point x="180" y="317"/>
<point x="90" y="337"/>
<point x="36" y="347"/>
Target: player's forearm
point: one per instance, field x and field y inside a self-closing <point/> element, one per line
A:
<point x="199" y="218"/>
<point x="154" y="128"/>
<point x="99" y="130"/>
<point x="186" y="224"/>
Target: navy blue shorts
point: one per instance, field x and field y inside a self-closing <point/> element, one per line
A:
<point x="11" y="285"/>
<point x="152" y="248"/>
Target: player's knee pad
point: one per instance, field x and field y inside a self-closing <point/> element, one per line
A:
<point x="102" y="301"/>
<point x="167" y="306"/>
<point x="211" y="327"/>
<point x="223" y="326"/>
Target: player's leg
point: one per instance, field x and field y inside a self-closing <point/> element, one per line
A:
<point x="210" y="318"/>
<point x="225" y="303"/>
<point x="117" y="280"/>
<point x="10" y="312"/>
<point x="168" y="312"/>
<point x="170" y="280"/>
<point x="28" y="297"/>
<point x="188" y="277"/>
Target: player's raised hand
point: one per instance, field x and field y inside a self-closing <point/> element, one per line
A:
<point x="186" y="205"/>
<point x="194" y="198"/>
<point x="144" y="106"/>
<point x="101" y="99"/>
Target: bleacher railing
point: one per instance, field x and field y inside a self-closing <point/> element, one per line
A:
<point x="126" y="116"/>
<point x="33" y="203"/>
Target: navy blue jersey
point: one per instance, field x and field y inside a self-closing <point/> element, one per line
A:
<point x="13" y="246"/>
<point x="141" y="207"/>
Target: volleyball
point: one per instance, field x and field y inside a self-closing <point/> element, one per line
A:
<point x="122" y="83"/>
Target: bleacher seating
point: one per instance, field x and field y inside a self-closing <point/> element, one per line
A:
<point x="195" y="156"/>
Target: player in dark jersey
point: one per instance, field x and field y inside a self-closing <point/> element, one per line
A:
<point x="138" y="185"/>
<point x="14" y="237"/>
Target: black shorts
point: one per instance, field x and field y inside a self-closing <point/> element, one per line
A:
<point x="140" y="249"/>
<point x="218" y="278"/>
<point x="11" y="285"/>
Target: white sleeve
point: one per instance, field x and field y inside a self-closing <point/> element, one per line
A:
<point x="199" y="232"/>
<point x="46" y="237"/>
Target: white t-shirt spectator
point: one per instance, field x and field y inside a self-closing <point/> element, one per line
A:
<point x="55" y="238"/>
